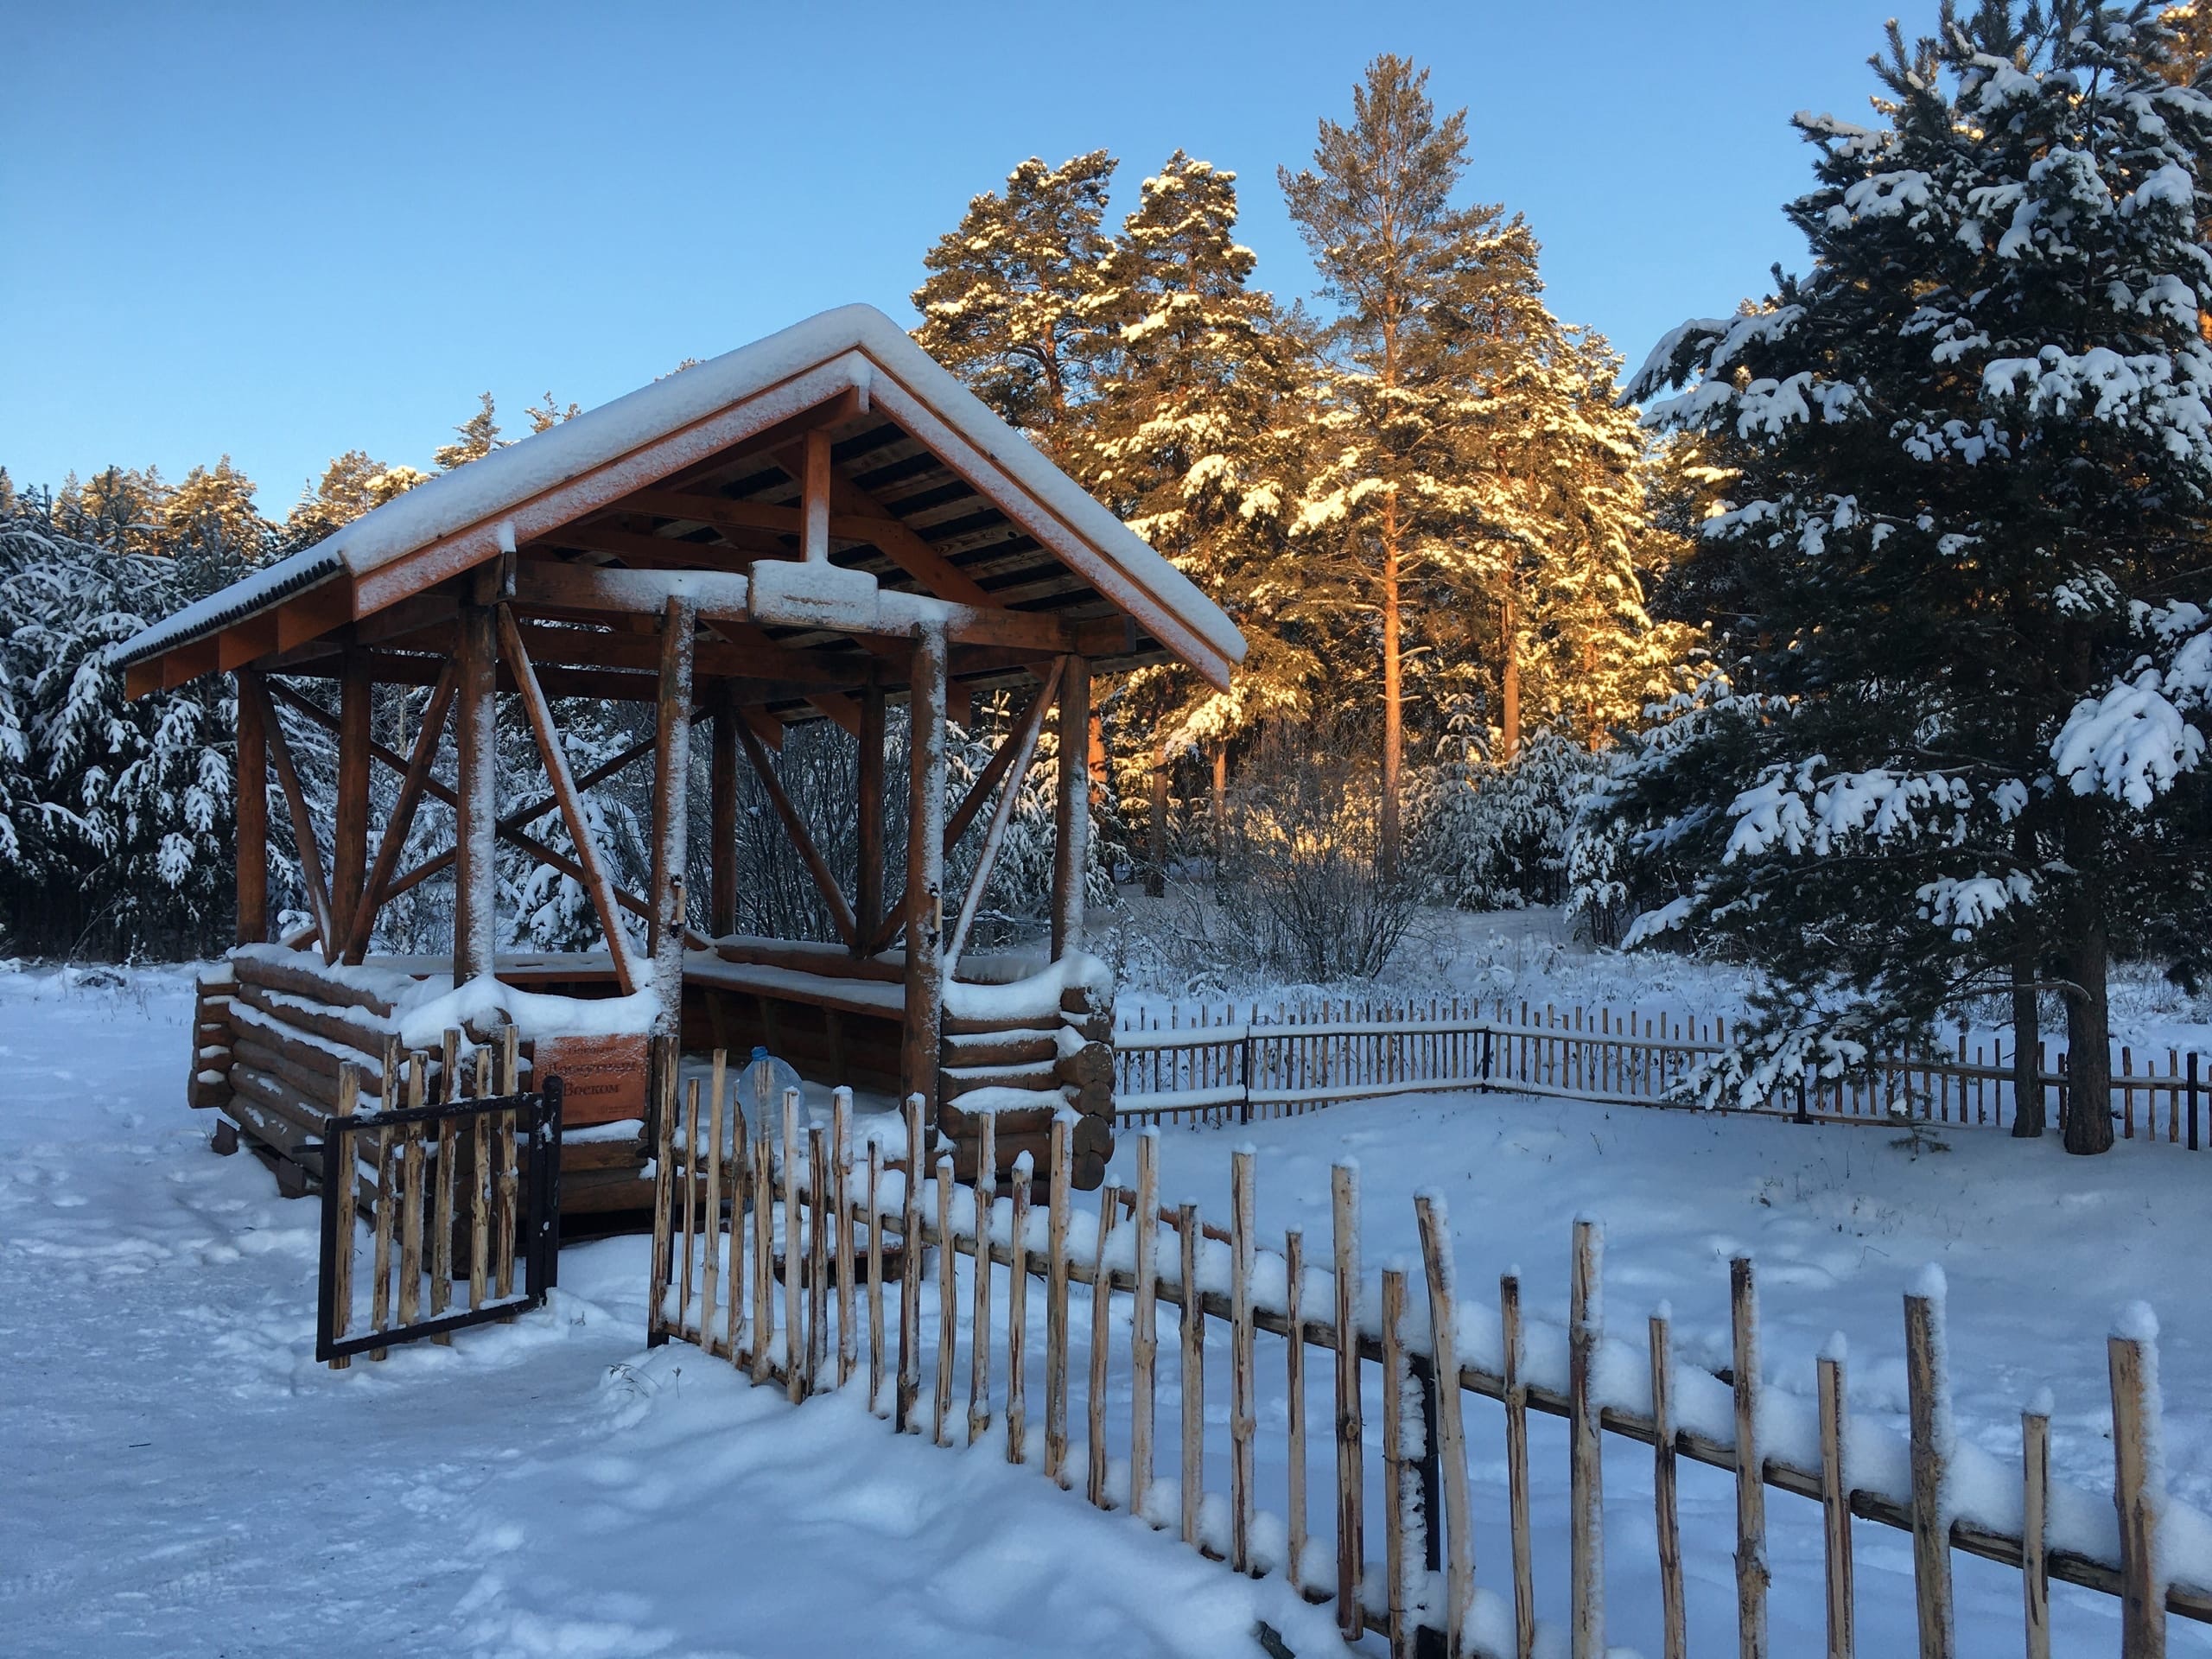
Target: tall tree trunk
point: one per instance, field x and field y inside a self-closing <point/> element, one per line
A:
<point x="1508" y="680"/>
<point x="2027" y="1041"/>
<point x="2088" y="1128"/>
<point x="1155" y="873"/>
<point x="1394" y="729"/>
<point x="1220" y="795"/>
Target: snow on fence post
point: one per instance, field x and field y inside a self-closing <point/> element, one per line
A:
<point x="1443" y="1319"/>
<point x="1243" y="1391"/>
<point x="1666" y="1517"/>
<point x="380" y="1288"/>
<point x="1109" y="1198"/>
<point x="1343" y="1205"/>
<point x="1928" y="1405"/>
<point x="1835" y="1497"/>
<point x="984" y="1195"/>
<point x="1585" y="1461"/>
<point x="2035" y="1519"/>
<point x="1144" y="1321"/>
<point x="1056" y="1301"/>
<point x="1017" y="1314"/>
<point x="2138" y="1480"/>
<point x="1516" y="1465"/>
<point x="1192" y="1374"/>
<point x="1294" y="1273"/>
<point x="1752" y="1575"/>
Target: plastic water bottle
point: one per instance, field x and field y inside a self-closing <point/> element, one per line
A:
<point x="767" y="1078"/>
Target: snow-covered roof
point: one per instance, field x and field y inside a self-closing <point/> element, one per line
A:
<point x="859" y="339"/>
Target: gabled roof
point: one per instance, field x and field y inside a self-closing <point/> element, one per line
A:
<point x="906" y="405"/>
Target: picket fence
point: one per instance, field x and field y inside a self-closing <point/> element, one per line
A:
<point x="777" y="1246"/>
<point x="1228" y="1066"/>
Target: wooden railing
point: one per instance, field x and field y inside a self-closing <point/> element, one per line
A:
<point x="1228" y="1066"/>
<point x="855" y="1233"/>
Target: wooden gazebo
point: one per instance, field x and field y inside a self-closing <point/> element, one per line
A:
<point x="808" y="528"/>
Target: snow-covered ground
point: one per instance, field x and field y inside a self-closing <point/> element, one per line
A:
<point x="180" y="1477"/>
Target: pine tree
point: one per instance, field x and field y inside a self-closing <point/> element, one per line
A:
<point x="213" y="506"/>
<point x="549" y="414"/>
<point x="1010" y="304"/>
<point x="1976" y="476"/>
<point x="7" y="493"/>
<point x="479" y="437"/>
<point x="351" y="485"/>
<point x="1196" y="440"/>
<point x="1428" y="295"/>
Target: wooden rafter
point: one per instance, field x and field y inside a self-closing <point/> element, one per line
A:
<point x="296" y="800"/>
<point x="396" y="827"/>
<point x="564" y="788"/>
<point x="841" y="912"/>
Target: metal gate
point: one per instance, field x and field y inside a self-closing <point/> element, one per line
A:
<point x="477" y="1181"/>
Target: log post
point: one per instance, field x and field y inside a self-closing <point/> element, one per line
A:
<point x="252" y="816"/>
<point x="476" y="784"/>
<point x="1929" y="1411"/>
<point x="2138" y="1482"/>
<point x="349" y="840"/>
<point x="671" y="792"/>
<point x="721" y="853"/>
<point x="1072" y="819"/>
<point x="867" y="863"/>
<point x="924" y="1009"/>
<point x="1586" y="1466"/>
<point x="1752" y="1575"/>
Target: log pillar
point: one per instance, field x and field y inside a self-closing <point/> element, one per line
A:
<point x="868" y="871"/>
<point x="1072" y="814"/>
<point x="254" y="818"/>
<point x="925" y="1012"/>
<point x="476" y="684"/>
<point x="349" y="850"/>
<point x="721" y="898"/>
<point x="671" y="801"/>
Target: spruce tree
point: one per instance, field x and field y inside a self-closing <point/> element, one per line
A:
<point x="1010" y="303"/>
<point x="1427" y="295"/>
<point x="1976" y="478"/>
<point x="213" y="506"/>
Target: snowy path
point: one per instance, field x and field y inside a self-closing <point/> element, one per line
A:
<point x="179" y="1477"/>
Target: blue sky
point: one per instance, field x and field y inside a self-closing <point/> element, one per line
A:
<point x="286" y="231"/>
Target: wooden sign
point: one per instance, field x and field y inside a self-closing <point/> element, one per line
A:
<point x="603" y="1079"/>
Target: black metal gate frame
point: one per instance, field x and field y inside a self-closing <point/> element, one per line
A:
<point x="541" y="1242"/>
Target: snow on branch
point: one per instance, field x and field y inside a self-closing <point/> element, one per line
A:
<point x="2133" y="741"/>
